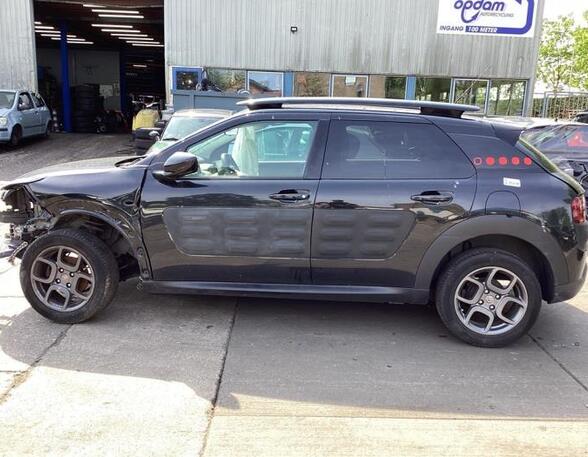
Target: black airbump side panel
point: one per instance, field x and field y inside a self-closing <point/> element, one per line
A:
<point x="258" y="232"/>
<point x="359" y="234"/>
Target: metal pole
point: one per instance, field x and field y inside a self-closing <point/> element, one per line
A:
<point x="65" y="93"/>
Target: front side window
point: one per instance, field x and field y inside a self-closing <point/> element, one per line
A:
<point x="272" y="149"/>
<point x="265" y="82"/>
<point x="349" y="86"/>
<point x="24" y="101"/>
<point x="392" y="150"/>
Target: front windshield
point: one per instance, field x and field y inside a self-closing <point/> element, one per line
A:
<point x="180" y="126"/>
<point x="6" y="99"/>
<point x="572" y="139"/>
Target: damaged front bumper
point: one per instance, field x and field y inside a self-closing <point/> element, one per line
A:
<point x="25" y="218"/>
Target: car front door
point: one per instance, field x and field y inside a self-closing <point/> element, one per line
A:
<point x="28" y="116"/>
<point x="390" y="185"/>
<point x="246" y="215"/>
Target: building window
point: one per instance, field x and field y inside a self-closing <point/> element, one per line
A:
<point x="433" y="89"/>
<point x="311" y="84"/>
<point x="186" y="78"/>
<point x="226" y="80"/>
<point x="349" y="86"/>
<point x="507" y="97"/>
<point x="471" y="92"/>
<point x="266" y="82"/>
<point x="387" y="86"/>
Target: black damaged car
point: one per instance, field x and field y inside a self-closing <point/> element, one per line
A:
<point x="339" y="199"/>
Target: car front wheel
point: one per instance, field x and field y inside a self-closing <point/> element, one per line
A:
<point x="488" y="297"/>
<point x="68" y="275"/>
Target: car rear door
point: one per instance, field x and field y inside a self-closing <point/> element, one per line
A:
<point x="390" y="185"/>
<point x="246" y="215"/>
<point x="44" y="116"/>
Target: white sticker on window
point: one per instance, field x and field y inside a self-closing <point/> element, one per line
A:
<point x="511" y="182"/>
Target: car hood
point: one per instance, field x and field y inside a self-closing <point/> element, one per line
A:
<point x="4" y="111"/>
<point x="71" y="169"/>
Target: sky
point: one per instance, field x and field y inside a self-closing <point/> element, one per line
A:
<point x="554" y="8"/>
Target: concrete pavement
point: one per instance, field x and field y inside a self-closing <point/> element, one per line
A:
<point x="158" y="375"/>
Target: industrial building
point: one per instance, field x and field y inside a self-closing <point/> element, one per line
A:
<point x="477" y="52"/>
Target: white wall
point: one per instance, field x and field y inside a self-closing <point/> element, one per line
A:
<point x="18" y="69"/>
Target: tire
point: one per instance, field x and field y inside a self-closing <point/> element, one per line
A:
<point x="47" y="130"/>
<point x="464" y="277"/>
<point x="15" y="136"/>
<point x="104" y="274"/>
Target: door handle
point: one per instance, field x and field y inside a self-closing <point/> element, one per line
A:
<point x="433" y="197"/>
<point x="290" y="195"/>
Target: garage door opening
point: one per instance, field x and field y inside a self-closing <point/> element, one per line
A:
<point x="97" y="62"/>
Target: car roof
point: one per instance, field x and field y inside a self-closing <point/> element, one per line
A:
<point x="220" y="113"/>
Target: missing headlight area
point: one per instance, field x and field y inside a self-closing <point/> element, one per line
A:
<point x="26" y="219"/>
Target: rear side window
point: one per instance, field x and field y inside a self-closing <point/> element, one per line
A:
<point x="38" y="100"/>
<point x="392" y="150"/>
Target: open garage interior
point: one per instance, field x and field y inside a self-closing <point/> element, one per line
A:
<point x="115" y="60"/>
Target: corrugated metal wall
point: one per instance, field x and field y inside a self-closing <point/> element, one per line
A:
<point x="362" y="36"/>
<point x="18" y="66"/>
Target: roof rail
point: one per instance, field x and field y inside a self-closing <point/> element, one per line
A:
<point x="426" y="107"/>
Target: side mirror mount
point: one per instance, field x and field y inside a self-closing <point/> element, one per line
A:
<point x="177" y="165"/>
<point x="154" y="135"/>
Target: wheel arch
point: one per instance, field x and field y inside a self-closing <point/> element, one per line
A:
<point x="124" y="243"/>
<point x="516" y="235"/>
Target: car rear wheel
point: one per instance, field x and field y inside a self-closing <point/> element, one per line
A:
<point x="68" y="276"/>
<point x="488" y="297"/>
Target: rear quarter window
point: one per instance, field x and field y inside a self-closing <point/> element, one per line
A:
<point x="392" y="150"/>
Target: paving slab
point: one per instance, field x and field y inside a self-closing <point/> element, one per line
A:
<point x="562" y="330"/>
<point x="138" y="379"/>
<point x="354" y="360"/>
<point x="354" y="437"/>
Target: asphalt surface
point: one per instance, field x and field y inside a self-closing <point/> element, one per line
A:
<point x="59" y="148"/>
<point x="202" y="376"/>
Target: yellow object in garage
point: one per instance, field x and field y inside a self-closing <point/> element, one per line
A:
<point x="145" y="118"/>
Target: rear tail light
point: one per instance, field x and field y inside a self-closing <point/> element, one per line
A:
<point x="579" y="209"/>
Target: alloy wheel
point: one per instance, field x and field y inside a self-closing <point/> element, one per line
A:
<point x="491" y="300"/>
<point x="62" y="278"/>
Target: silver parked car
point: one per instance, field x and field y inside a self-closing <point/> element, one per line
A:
<point x="22" y="114"/>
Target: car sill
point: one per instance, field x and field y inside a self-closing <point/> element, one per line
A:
<point x="306" y="291"/>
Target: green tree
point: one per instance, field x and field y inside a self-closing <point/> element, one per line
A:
<point x="580" y="73"/>
<point x="556" y="65"/>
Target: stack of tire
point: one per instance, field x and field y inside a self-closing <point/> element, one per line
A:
<point x="86" y="105"/>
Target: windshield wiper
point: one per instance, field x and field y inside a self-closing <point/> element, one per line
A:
<point x="170" y="138"/>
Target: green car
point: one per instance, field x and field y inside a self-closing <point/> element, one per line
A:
<point x="184" y="123"/>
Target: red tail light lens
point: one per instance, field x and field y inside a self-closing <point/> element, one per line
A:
<point x="579" y="209"/>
